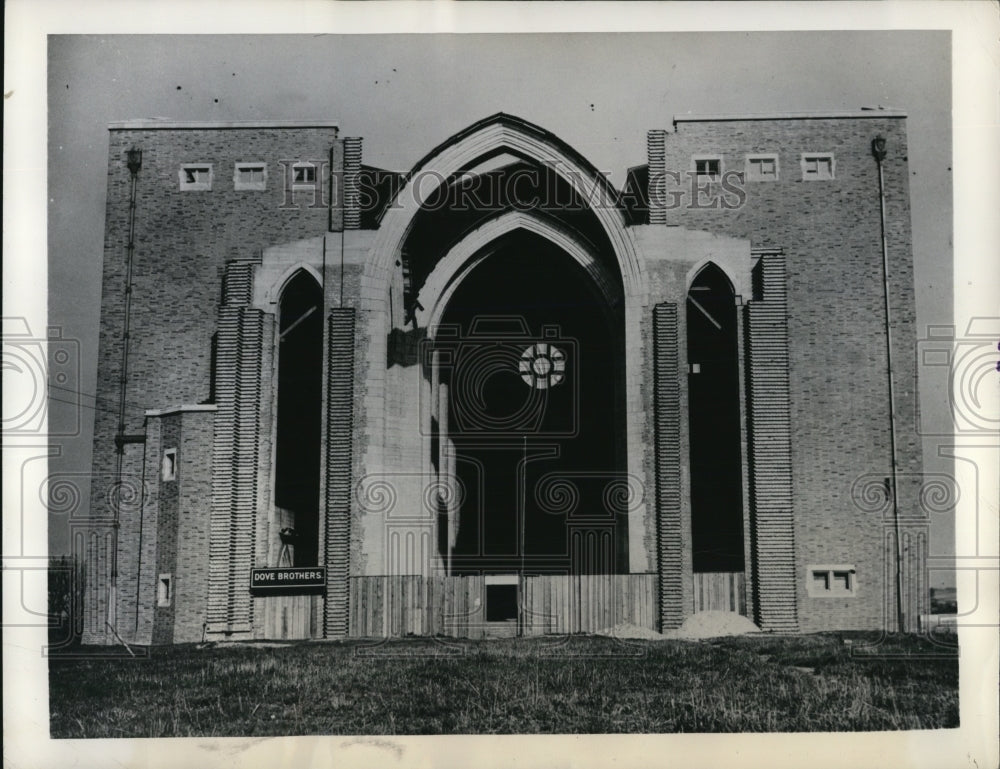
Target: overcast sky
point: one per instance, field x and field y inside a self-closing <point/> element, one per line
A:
<point x="405" y="94"/>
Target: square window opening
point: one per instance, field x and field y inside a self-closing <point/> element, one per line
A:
<point x="708" y="167"/>
<point x="831" y="581"/>
<point x="818" y="166"/>
<point x="841" y="581"/>
<point x="250" y="176"/>
<point x="195" y="176"/>
<point x="303" y="173"/>
<point x="762" y="168"/>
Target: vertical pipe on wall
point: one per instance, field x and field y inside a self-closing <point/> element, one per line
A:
<point x="134" y="163"/>
<point x="879" y="152"/>
<point x="142" y="511"/>
<point x="444" y="465"/>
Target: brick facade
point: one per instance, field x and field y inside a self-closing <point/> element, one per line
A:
<point x="830" y="234"/>
<point x="805" y="262"/>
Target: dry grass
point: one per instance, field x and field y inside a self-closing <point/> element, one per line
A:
<point x="570" y="685"/>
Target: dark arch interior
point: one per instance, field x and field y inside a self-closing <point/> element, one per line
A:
<point x="455" y="208"/>
<point x="713" y="387"/>
<point x="530" y="311"/>
<point x="297" y="465"/>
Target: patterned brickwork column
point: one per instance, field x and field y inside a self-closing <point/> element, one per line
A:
<point x="235" y="451"/>
<point x="339" y="432"/>
<point x="656" y="142"/>
<point x="771" y="524"/>
<point x="352" y="170"/>
<point x="668" y="464"/>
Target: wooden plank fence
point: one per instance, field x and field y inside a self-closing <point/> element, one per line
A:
<point x="290" y="616"/>
<point x="720" y="591"/>
<point x="382" y="606"/>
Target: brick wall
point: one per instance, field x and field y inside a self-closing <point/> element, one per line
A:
<point x="829" y="232"/>
<point x="182" y="241"/>
<point x="194" y="506"/>
<point x="831" y="235"/>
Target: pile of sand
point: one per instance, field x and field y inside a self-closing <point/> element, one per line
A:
<point x="628" y="630"/>
<point x="712" y="624"/>
<point x="706" y="624"/>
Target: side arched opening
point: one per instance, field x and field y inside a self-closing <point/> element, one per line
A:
<point x="297" y="438"/>
<point x="714" y="415"/>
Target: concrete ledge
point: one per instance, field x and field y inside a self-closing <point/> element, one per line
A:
<point x="169" y="123"/>
<point x="164" y="412"/>
<point x="733" y="116"/>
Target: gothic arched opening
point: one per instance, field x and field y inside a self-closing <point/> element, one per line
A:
<point x="529" y="416"/>
<point x="297" y="442"/>
<point x="714" y="415"/>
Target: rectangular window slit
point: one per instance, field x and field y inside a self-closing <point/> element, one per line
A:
<point x="164" y="590"/>
<point x="169" y="465"/>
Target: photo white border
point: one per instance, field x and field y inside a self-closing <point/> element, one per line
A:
<point x="975" y="147"/>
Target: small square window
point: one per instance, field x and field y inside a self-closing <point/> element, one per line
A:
<point x="762" y="168"/>
<point x="831" y="581"/>
<point x="195" y="176"/>
<point x="164" y="590"/>
<point x="841" y="581"/>
<point x="250" y="176"/>
<point x="169" y="468"/>
<point x="708" y="167"/>
<point x="303" y="173"/>
<point x="817" y="166"/>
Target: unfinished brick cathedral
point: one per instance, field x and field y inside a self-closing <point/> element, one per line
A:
<point x="496" y="394"/>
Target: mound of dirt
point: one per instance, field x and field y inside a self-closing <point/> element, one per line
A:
<point x="712" y="624"/>
<point x="705" y="624"/>
<point x="628" y="630"/>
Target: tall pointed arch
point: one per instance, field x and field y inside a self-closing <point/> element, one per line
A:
<point x="299" y="402"/>
<point x="493" y="136"/>
<point x="715" y="423"/>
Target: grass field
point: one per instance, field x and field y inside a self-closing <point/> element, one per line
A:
<point x="580" y="684"/>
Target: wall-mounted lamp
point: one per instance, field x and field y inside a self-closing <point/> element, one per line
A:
<point x="878" y="148"/>
<point x="134" y="160"/>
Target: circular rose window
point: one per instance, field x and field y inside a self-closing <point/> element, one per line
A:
<point x="542" y="365"/>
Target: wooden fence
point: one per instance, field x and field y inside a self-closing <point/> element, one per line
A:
<point x="456" y="606"/>
<point x="290" y="616"/>
<point x="558" y="604"/>
<point x="720" y="591"/>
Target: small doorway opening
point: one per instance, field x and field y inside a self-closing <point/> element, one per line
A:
<point x="501" y="598"/>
